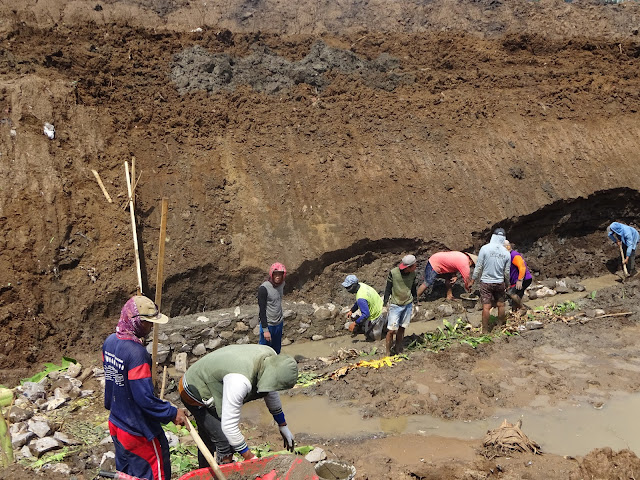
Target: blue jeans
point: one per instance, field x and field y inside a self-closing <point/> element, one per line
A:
<point x="399" y="316"/>
<point x="276" y="336"/>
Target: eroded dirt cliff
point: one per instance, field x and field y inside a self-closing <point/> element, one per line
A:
<point x="334" y="146"/>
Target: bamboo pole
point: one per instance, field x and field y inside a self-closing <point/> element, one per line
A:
<point x="205" y="451"/>
<point x="133" y="228"/>
<point x="159" y="282"/>
<point x="104" y="190"/>
<point x="133" y="176"/>
<point x="164" y="382"/>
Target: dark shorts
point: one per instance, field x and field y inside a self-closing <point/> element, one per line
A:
<point x="492" y="292"/>
<point x="430" y="276"/>
<point x="525" y="285"/>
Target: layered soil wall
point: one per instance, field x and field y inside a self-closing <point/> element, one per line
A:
<point x="363" y="145"/>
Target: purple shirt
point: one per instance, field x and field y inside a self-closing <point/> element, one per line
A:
<point x="515" y="272"/>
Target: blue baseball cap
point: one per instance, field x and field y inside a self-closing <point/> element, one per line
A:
<point x="349" y="281"/>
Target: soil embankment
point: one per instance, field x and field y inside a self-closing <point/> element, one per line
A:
<point x="332" y="137"/>
<point x="315" y="150"/>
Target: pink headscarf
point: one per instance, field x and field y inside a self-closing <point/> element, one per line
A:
<point x="130" y="324"/>
<point x="277" y="267"/>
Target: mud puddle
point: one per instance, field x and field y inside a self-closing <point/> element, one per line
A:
<point x="570" y="429"/>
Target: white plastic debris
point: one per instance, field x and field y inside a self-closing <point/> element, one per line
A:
<point x="49" y="131"/>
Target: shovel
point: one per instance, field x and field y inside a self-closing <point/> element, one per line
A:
<point x="624" y="265"/>
<point x="205" y="451"/>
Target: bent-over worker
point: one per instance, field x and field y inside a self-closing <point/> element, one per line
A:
<point x="627" y="237"/>
<point x="371" y="322"/>
<point x="216" y="386"/>
<point x="446" y="265"/>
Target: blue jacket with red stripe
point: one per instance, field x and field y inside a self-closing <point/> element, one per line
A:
<point x="128" y="392"/>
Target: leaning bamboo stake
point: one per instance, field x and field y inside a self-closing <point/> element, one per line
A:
<point x="621" y="314"/>
<point x="159" y="282"/>
<point x="133" y="176"/>
<point x="164" y="382"/>
<point x="205" y="451"/>
<point x="133" y="228"/>
<point x="104" y="190"/>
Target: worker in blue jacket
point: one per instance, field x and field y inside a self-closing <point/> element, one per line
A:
<point x="627" y="237"/>
<point x="136" y="414"/>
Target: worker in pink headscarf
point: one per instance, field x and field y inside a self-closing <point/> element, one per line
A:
<point x="270" y="304"/>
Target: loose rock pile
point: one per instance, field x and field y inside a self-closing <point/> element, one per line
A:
<point x="39" y="419"/>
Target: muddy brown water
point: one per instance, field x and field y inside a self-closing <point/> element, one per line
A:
<point x="567" y="429"/>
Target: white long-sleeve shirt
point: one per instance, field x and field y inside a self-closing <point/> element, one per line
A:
<point x="234" y="390"/>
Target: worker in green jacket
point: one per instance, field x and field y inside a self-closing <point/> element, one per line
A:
<point x="215" y="387"/>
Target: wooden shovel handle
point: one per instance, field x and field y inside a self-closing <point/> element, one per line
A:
<point x="205" y="451"/>
<point x="624" y="265"/>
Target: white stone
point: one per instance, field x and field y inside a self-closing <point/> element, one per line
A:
<point x="56" y="403"/>
<point x="317" y="337"/>
<point x="214" y="343"/>
<point x="203" y="319"/>
<point x="74" y="370"/>
<point x="43" y="445"/>
<point x="25" y="452"/>
<point x="545" y="292"/>
<point x="40" y="427"/>
<point x="315" y="455"/>
<point x="181" y="362"/>
<point x="20" y="439"/>
<point x="241" y="327"/>
<point x="108" y="456"/>
<point x="445" y="309"/>
<point x="236" y="311"/>
<point x="65" y="439"/>
<point x="199" y="350"/>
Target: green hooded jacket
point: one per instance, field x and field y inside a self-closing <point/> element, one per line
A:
<point x="265" y="370"/>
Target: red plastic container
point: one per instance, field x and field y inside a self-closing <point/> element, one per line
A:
<point x="250" y="468"/>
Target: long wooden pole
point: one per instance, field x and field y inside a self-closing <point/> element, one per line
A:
<point x="205" y="451"/>
<point x="159" y="282"/>
<point x="164" y="382"/>
<point x="133" y="227"/>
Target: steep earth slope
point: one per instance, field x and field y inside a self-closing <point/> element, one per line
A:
<point x="334" y="145"/>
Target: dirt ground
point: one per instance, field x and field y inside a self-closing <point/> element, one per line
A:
<point x="334" y="137"/>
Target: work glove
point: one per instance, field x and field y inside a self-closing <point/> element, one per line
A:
<point x="519" y="285"/>
<point x="287" y="436"/>
<point x="352" y="326"/>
